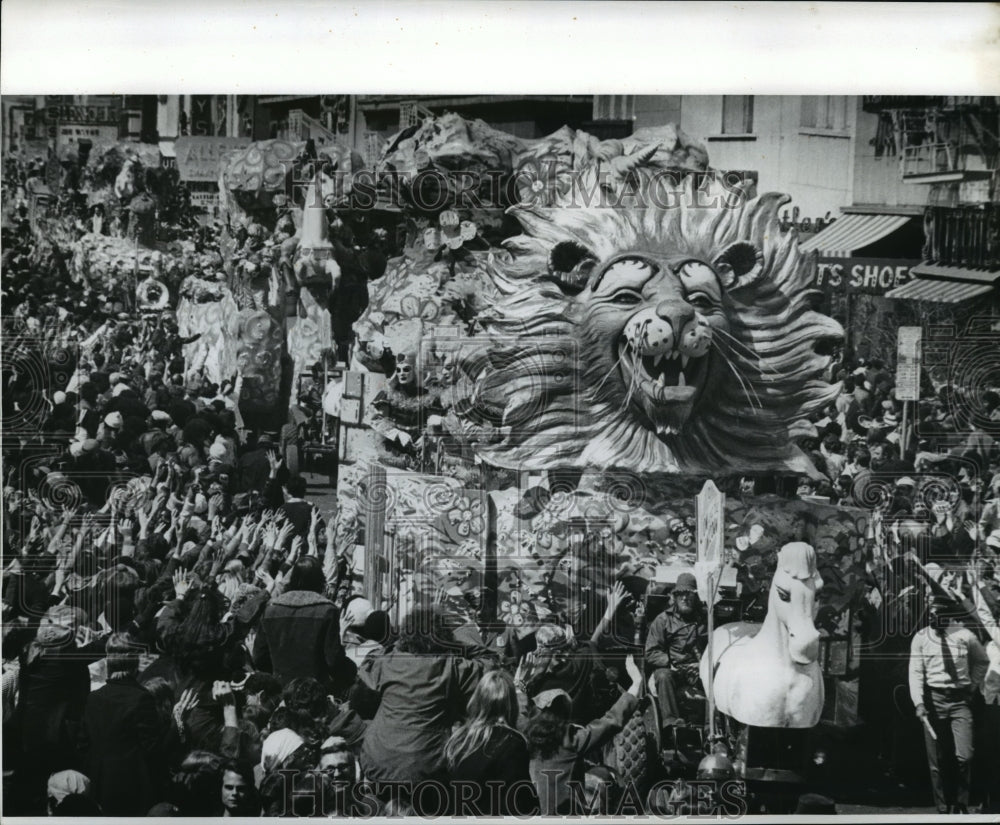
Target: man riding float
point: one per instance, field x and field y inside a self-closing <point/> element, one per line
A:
<point x="676" y="641"/>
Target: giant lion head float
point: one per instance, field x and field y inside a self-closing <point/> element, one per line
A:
<point x="673" y="336"/>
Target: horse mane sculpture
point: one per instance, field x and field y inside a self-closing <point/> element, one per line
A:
<point x="768" y="675"/>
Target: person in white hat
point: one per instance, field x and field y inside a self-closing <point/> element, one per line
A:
<point x="221" y="452"/>
<point x="352" y="620"/>
<point x="110" y="428"/>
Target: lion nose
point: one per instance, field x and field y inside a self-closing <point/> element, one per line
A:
<point x="677" y="316"/>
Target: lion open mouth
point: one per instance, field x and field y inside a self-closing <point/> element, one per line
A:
<point x="670" y="379"/>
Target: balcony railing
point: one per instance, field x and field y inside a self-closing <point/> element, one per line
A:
<point x="929" y="159"/>
<point x="876" y="103"/>
<point x="967" y="236"/>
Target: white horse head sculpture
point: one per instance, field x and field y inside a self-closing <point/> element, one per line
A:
<point x="768" y="675"/>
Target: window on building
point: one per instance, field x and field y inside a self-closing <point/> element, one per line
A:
<point x="737" y="114"/>
<point x="824" y="112"/>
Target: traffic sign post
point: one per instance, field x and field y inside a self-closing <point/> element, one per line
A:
<point x="711" y="505"/>
<point x="907" y="376"/>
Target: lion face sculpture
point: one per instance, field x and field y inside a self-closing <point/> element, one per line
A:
<point x="659" y="318"/>
<point x="692" y="343"/>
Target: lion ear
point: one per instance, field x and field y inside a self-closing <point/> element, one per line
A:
<point x="740" y="264"/>
<point x="570" y="266"/>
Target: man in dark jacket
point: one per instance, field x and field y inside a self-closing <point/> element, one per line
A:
<point x="300" y="632"/>
<point x="289" y="497"/>
<point x="126" y="736"/>
<point x="674" y="644"/>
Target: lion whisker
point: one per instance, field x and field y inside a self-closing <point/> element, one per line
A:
<point x="736" y="342"/>
<point x="744" y="351"/>
<point x="610" y="372"/>
<point x="636" y="358"/>
<point x="636" y="363"/>
<point x="739" y="378"/>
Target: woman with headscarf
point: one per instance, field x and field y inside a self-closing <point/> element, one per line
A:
<point x="66" y="784"/>
<point x="285" y="762"/>
<point x="560" y="661"/>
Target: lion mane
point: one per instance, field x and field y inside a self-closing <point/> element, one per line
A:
<point x="548" y="378"/>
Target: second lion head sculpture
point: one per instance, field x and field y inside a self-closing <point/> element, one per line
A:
<point x="676" y="337"/>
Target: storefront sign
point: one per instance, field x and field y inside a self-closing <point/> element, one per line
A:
<point x="874" y="276"/>
<point x="908" y="364"/>
<point x="205" y="200"/>
<point x="70" y="134"/>
<point x="198" y="157"/>
<point x="804" y="225"/>
<point x="74" y="113"/>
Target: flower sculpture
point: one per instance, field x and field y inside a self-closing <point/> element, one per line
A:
<point x="514" y="611"/>
<point x="542" y="181"/>
<point x="450" y="233"/>
<point x="467" y="517"/>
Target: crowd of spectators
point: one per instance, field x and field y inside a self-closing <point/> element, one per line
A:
<point x="181" y="637"/>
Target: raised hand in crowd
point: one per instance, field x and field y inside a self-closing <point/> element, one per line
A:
<point x="182" y="583"/>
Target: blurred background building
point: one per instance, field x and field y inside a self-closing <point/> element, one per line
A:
<point x="896" y="199"/>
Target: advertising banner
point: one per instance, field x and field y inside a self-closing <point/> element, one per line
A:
<point x="198" y="157"/>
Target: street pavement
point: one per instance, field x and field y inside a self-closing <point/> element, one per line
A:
<point x="320" y="493"/>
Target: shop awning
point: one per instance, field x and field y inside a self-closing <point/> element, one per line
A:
<point x="941" y="292"/>
<point x="946" y="284"/>
<point x="955" y="273"/>
<point x="167" y="149"/>
<point x="851" y="233"/>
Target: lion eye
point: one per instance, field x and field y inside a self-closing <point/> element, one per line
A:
<point x="627" y="298"/>
<point x="700" y="300"/>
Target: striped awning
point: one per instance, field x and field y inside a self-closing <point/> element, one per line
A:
<point x="940" y="292"/>
<point x="850" y="233"/>
<point x="955" y="273"/>
<point x="946" y="284"/>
